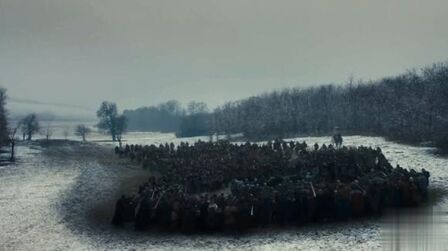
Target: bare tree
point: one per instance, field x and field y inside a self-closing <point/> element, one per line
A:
<point x="111" y="121"/>
<point x="48" y="132"/>
<point x="82" y="131"/>
<point x="3" y="118"/>
<point x="108" y="114"/>
<point x="197" y="107"/>
<point x="121" y="125"/>
<point x="12" y="132"/>
<point x="29" y="126"/>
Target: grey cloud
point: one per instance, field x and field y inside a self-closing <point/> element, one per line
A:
<point x="140" y="52"/>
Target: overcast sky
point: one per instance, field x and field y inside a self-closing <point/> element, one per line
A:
<point x="142" y="52"/>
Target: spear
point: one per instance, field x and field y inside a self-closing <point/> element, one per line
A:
<point x="157" y="204"/>
<point x="312" y="188"/>
<point x="152" y="196"/>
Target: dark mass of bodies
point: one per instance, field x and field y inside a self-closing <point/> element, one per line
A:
<point x="206" y="187"/>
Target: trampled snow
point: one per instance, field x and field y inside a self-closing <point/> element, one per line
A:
<point x="43" y="199"/>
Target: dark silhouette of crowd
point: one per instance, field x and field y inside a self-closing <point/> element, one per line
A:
<point x="220" y="186"/>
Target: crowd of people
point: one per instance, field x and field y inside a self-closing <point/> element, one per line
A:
<point x="220" y="186"/>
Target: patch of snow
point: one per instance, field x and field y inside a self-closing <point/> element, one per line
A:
<point x="34" y="190"/>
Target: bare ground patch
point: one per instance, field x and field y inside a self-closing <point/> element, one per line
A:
<point x="103" y="177"/>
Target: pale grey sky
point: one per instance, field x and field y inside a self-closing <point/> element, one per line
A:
<point x="142" y="52"/>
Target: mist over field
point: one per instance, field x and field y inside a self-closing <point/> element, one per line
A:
<point x="141" y="53"/>
<point x="223" y="125"/>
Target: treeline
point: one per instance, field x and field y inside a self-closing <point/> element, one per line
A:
<point x="165" y="117"/>
<point x="170" y="116"/>
<point x="412" y="107"/>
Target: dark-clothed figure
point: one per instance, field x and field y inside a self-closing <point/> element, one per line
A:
<point x="279" y="183"/>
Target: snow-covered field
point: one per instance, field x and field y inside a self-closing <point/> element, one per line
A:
<point x="44" y="199"/>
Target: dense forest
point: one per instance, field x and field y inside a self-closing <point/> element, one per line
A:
<point x="412" y="107"/>
<point x="165" y="117"/>
<point x="170" y="116"/>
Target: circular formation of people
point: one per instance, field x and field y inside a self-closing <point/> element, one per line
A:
<point x="221" y="186"/>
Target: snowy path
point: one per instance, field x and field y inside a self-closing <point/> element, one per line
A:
<point x="43" y="202"/>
